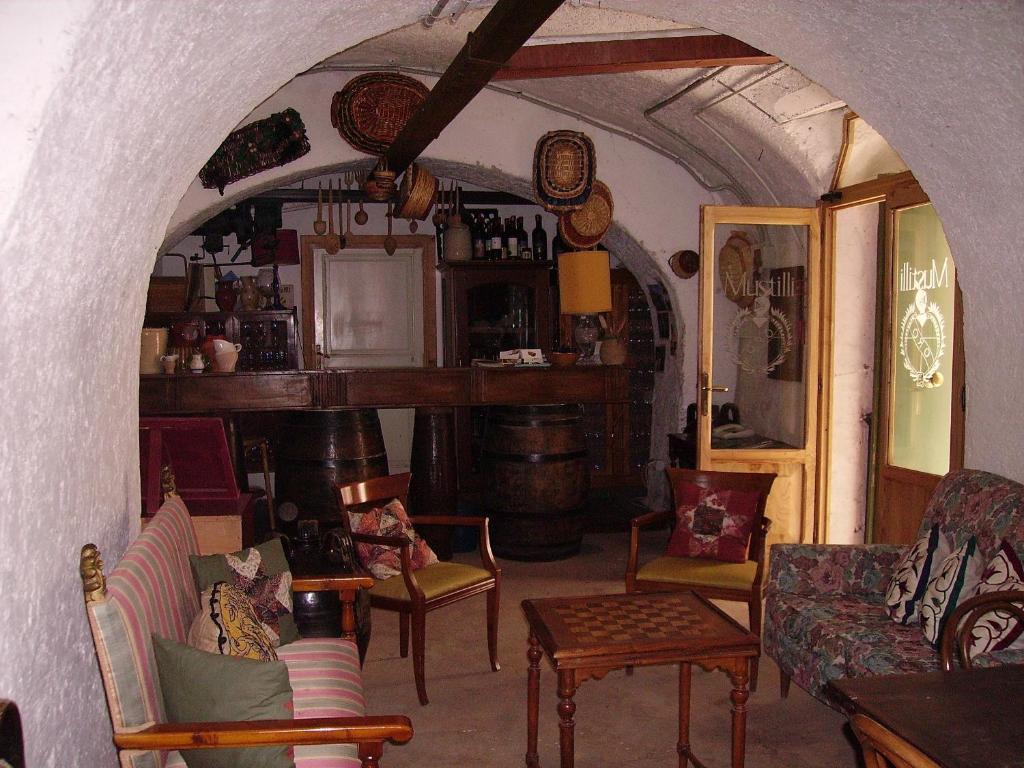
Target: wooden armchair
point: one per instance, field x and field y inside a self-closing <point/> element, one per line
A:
<point x="956" y="635"/>
<point x="416" y="593"/>
<point x="710" y="578"/>
<point x="882" y="748"/>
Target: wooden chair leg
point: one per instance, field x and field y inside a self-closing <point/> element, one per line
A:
<point x="493" y="601"/>
<point x="755" y="628"/>
<point x="784" y="681"/>
<point x="403" y="634"/>
<point x="419" y="626"/>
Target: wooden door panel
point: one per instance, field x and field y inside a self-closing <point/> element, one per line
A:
<point x="901" y="501"/>
<point x="786" y="501"/>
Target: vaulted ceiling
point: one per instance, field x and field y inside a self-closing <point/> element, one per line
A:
<point x="759" y="134"/>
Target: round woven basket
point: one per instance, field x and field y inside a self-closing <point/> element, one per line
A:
<point x="417" y="193"/>
<point x="564" y="168"/>
<point x="372" y="109"/>
<point x="735" y="267"/>
<point x="585" y="227"/>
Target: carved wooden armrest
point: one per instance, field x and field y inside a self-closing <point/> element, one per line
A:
<point x="331" y="582"/>
<point x="369" y="733"/>
<point x="956" y="635"/>
<point x="642" y="521"/>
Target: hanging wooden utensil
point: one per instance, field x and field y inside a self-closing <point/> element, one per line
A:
<point x="439" y="217"/>
<point x="319" y="226"/>
<point x="332" y="243"/>
<point x="413" y="226"/>
<point x="349" y="178"/>
<point x="361" y="217"/>
<point x="390" y="244"/>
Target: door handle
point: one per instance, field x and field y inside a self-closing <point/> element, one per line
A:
<point x="706" y="389"/>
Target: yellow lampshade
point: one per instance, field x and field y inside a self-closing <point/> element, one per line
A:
<point x="584" y="282"/>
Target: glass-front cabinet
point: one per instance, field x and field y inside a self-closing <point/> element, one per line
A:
<point x="490" y="307"/>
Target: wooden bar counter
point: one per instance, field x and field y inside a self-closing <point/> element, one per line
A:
<point x="181" y="393"/>
<point x="435" y="393"/>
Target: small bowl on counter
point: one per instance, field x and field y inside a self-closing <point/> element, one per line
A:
<point x="563" y="359"/>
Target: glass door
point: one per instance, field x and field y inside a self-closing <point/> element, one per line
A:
<point x="759" y="353"/>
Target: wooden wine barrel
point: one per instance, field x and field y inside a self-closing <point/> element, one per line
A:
<point x="317" y="449"/>
<point x="537" y="476"/>
<point x="314" y="451"/>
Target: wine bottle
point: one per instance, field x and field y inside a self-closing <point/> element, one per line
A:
<point x="521" y="236"/>
<point x="494" y="251"/>
<point x="511" y="241"/>
<point x="479" y="244"/>
<point x="540" y="242"/>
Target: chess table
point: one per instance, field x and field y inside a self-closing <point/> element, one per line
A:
<point x="584" y="638"/>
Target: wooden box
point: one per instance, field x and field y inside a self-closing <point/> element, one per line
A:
<point x="196" y="449"/>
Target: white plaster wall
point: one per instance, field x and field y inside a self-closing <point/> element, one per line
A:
<point x="118" y="105"/>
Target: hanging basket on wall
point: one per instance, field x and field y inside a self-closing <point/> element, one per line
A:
<point x="564" y="169"/>
<point x="586" y="226"/>
<point x="256" y="147"/>
<point x="372" y="109"/>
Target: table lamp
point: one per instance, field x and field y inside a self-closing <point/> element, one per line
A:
<point x="584" y="289"/>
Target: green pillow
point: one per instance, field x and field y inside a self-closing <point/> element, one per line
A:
<point x="199" y="687"/>
<point x="263" y="574"/>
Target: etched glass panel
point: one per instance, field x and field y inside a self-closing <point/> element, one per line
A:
<point x="924" y="291"/>
<point x="760" y="325"/>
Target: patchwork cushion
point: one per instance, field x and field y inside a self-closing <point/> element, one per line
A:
<point x="999" y="630"/>
<point x="910" y="577"/>
<point x="955" y="579"/>
<point x="199" y="686"/>
<point x="713" y="524"/>
<point x="435" y="580"/>
<point x="699" y="570"/>
<point x="391" y="520"/>
<point x="227" y="624"/>
<point x="262" y="573"/>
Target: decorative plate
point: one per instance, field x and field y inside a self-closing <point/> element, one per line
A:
<point x="564" y="169"/>
<point x="585" y="227"/>
<point x="372" y="109"/>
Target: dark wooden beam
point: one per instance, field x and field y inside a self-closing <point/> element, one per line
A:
<point x="615" y="56"/>
<point x="509" y="24"/>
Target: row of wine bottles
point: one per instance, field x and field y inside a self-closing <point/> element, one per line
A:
<point x="495" y="239"/>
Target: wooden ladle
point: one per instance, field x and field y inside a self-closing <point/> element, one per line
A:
<point x="319" y="226"/>
<point x="390" y="244"/>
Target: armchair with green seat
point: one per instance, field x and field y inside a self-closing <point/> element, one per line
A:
<point x="709" y="577"/>
<point x="414" y="593"/>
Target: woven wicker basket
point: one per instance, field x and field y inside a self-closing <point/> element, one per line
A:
<point x="372" y="109"/>
<point x="564" y="168"/>
<point x="417" y="193"/>
<point x="586" y="226"/>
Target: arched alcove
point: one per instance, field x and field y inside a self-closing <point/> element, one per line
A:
<point x="114" y="107"/>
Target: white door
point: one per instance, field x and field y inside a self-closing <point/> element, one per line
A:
<point x="368" y="313"/>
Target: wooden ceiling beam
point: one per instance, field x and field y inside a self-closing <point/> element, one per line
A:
<point x="616" y="56"/>
<point x="509" y="24"/>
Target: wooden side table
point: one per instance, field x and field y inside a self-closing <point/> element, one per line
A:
<point x="586" y="637"/>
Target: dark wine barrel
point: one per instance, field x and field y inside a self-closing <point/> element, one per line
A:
<point x="537" y="477"/>
<point x="317" y="449"/>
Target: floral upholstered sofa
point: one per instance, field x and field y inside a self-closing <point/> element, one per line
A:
<point x="825" y="612"/>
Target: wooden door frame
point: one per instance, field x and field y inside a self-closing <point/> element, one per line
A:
<point x="806" y="455"/>
<point x="310" y="243"/>
<point x="895" y="192"/>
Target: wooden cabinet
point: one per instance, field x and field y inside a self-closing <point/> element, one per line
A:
<point x="268" y="337"/>
<point x="492" y="306"/>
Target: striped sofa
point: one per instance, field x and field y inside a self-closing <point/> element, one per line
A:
<point x="151" y="591"/>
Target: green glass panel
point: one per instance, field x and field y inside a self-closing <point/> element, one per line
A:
<point x="922" y="343"/>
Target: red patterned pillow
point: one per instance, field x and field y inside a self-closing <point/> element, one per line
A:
<point x="714" y="524"/>
<point x="391" y="520"/>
